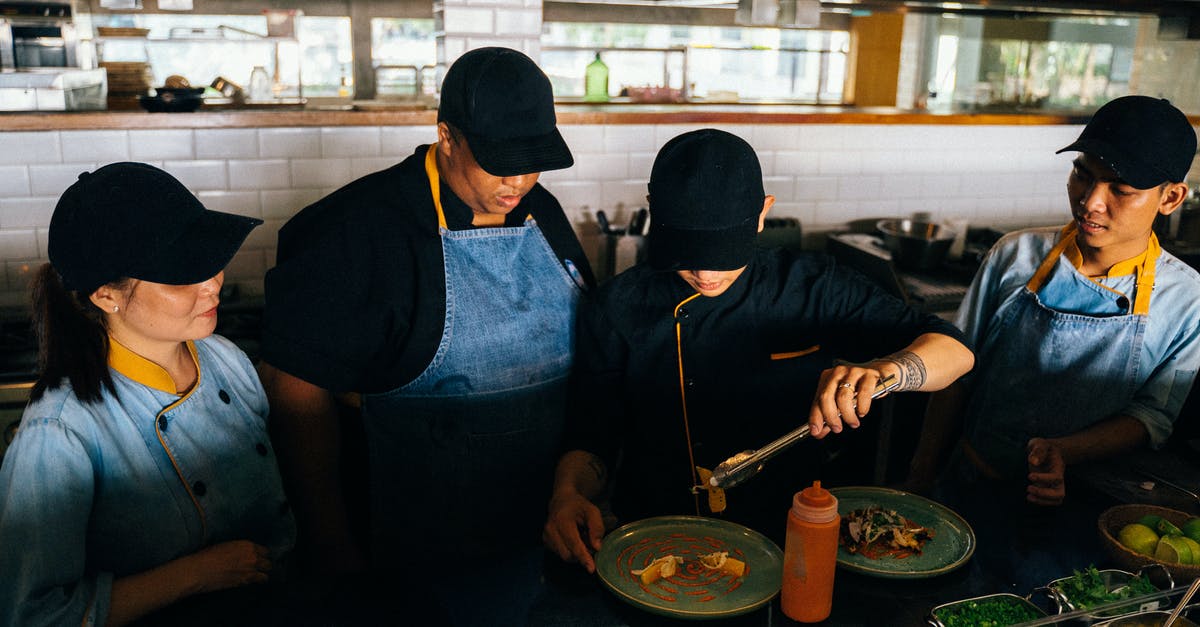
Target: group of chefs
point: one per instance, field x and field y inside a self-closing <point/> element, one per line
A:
<point x="443" y="310"/>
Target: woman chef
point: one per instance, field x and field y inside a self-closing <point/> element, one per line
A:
<point x="141" y="473"/>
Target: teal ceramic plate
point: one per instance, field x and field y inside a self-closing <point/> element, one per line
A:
<point x="694" y="592"/>
<point x="952" y="544"/>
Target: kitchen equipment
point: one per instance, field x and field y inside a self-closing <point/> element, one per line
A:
<point x="1146" y="619"/>
<point x="1109" y="525"/>
<point x="916" y="245"/>
<point x="1187" y="596"/>
<point x="173" y="100"/>
<point x="810" y="555"/>
<point x="1171" y="484"/>
<point x="966" y="608"/>
<point x="952" y="545"/>
<point x="127" y="80"/>
<point x="38" y="34"/>
<point x="53" y="89"/>
<point x="695" y="591"/>
<point x="744" y="465"/>
<point x="1114" y="580"/>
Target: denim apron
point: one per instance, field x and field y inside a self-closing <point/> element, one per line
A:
<point x="1050" y="373"/>
<point x="463" y="456"/>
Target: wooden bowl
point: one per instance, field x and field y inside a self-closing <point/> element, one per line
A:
<point x="1110" y="523"/>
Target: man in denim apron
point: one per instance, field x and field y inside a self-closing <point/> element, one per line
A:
<point x="441" y="293"/>
<point x="1088" y="339"/>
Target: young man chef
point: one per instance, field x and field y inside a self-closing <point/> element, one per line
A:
<point x="442" y="292"/>
<point x="716" y="346"/>
<point x="1088" y="335"/>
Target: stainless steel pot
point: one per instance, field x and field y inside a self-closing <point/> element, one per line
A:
<point x="916" y="245"/>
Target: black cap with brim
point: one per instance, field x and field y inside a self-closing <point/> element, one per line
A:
<point x="706" y="198"/>
<point x="503" y="104"/>
<point x="137" y="221"/>
<point x="1145" y="141"/>
<point x="1127" y="168"/>
<point x="724" y="249"/>
<point x="202" y="250"/>
<point x="520" y="155"/>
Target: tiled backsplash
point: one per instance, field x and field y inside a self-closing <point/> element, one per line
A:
<point x="823" y="175"/>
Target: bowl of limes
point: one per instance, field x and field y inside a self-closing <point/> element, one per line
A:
<point x="1137" y="535"/>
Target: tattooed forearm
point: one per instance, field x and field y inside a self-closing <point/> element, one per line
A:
<point x="912" y="369"/>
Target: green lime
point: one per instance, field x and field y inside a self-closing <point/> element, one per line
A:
<point x="1166" y="528"/>
<point x="1191" y="529"/>
<point x="1172" y="549"/>
<point x="1138" y="537"/>
<point x="1194" y="546"/>
<point x="1150" y="520"/>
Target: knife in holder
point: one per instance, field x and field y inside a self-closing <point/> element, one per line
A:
<point x="744" y="465"/>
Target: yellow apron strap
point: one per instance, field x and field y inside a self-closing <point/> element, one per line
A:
<point x="1145" y="272"/>
<point x="1043" y="272"/>
<point x="1145" y="277"/>
<point x="435" y="184"/>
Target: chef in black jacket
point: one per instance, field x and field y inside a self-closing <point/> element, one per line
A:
<point x="715" y="346"/>
<point x="440" y="295"/>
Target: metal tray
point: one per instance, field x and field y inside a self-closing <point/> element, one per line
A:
<point x="938" y="613"/>
<point x="1115" y="579"/>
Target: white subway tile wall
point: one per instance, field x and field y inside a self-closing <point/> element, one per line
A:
<point x="822" y="175"/>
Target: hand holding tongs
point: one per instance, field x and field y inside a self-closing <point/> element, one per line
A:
<point x="746" y="464"/>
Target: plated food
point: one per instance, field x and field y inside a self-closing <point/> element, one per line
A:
<point x="667" y="565"/>
<point x="877" y="532"/>
<point x="951" y="545"/>
<point x="721" y="569"/>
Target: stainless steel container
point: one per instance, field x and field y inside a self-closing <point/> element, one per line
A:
<point x="916" y="245"/>
<point x="940" y="614"/>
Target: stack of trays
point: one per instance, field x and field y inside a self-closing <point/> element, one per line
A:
<point x="127" y="80"/>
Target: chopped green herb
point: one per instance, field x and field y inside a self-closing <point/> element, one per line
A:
<point x="1087" y="589"/>
<point x="993" y="612"/>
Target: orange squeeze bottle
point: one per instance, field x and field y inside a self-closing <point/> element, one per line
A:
<point x="810" y="555"/>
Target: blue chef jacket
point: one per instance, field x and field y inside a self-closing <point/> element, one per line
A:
<point x="90" y="492"/>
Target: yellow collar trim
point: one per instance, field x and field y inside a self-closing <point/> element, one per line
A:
<point x="143" y="370"/>
<point x="1121" y="268"/>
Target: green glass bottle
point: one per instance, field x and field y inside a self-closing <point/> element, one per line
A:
<point x="595" y="81"/>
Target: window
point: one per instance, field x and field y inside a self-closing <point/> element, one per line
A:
<point x="1062" y="63"/>
<point x="704" y="62"/>
<point x="404" y="55"/>
<point x="317" y="62"/>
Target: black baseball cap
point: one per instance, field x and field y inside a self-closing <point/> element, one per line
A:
<point x="706" y="194"/>
<point x="1146" y="141"/>
<point x="135" y="220"/>
<point x="503" y="104"/>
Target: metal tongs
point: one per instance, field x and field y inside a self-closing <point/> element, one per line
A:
<point x="744" y="465"/>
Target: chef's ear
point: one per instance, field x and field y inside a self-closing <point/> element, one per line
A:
<point x="106" y="299"/>
<point x="1172" y="198"/>
<point x="768" y="202"/>
<point x="448" y="138"/>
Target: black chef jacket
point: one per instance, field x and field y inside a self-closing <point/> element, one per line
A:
<point x="751" y="359"/>
<point x="357" y="298"/>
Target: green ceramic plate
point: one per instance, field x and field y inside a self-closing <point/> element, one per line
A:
<point x="694" y="592"/>
<point x="952" y="544"/>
